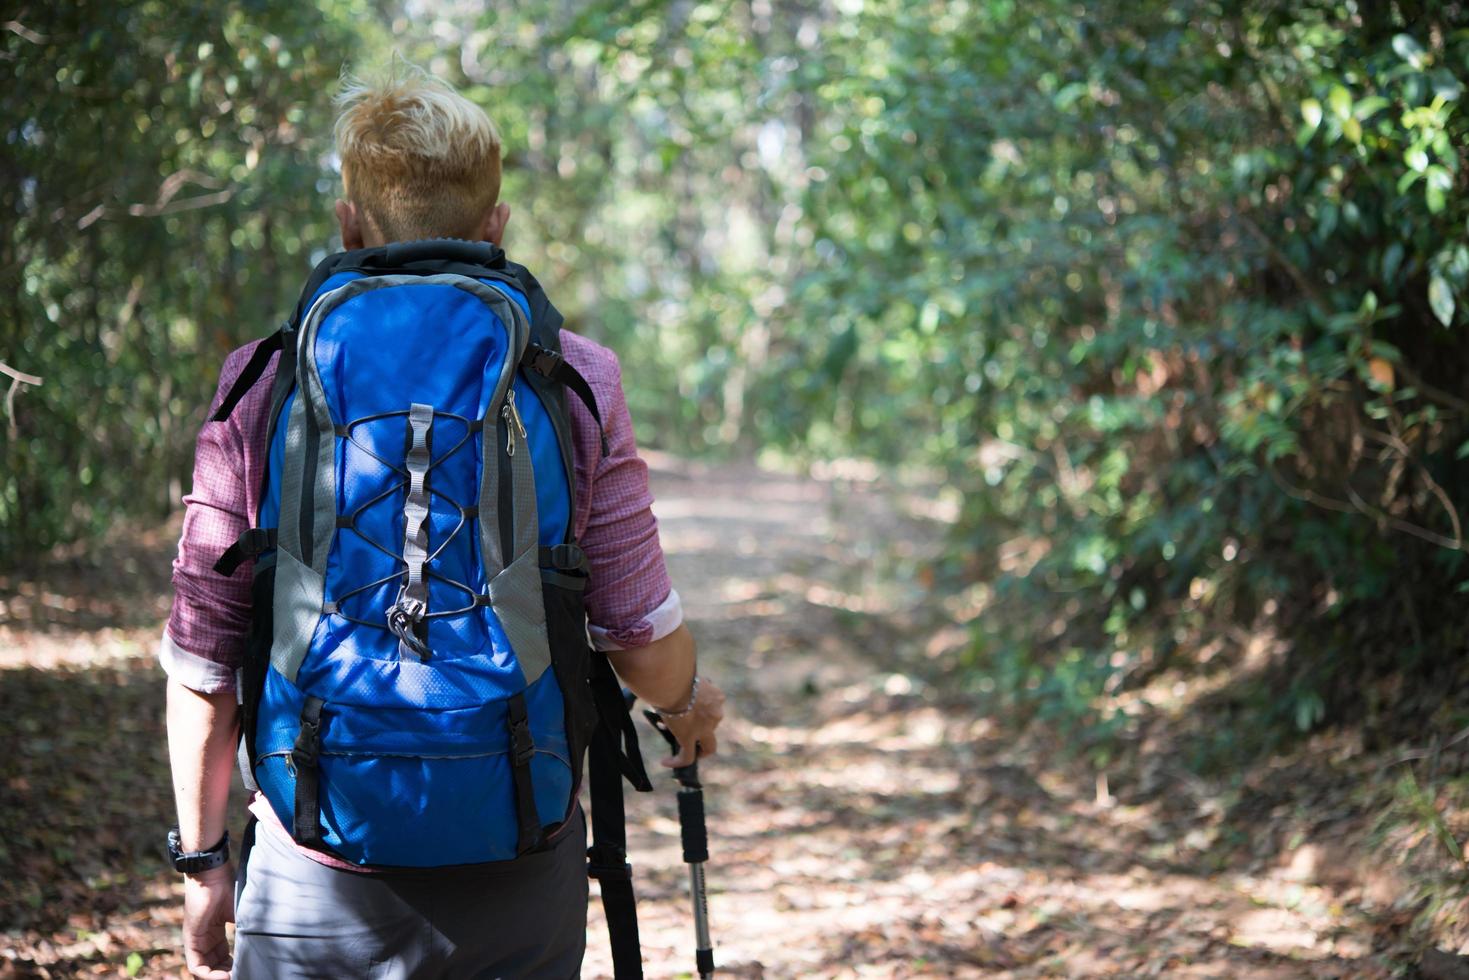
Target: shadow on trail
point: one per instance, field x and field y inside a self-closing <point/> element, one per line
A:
<point x="85" y="796"/>
<point x="868" y="820"/>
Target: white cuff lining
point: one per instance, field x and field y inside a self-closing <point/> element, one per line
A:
<point x="192" y="670"/>
<point x="666" y="618"/>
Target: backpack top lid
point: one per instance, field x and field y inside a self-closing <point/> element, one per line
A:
<point x="425" y="256"/>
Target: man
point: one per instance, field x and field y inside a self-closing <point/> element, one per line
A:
<point x="418" y="161"/>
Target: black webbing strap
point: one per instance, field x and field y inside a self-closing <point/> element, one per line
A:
<point x="615" y="721"/>
<point x="607" y="857"/>
<point x="251" y="373"/>
<point x="251" y="544"/>
<point x="550" y="364"/>
<point x="305" y="759"/>
<point x="613" y="755"/>
<point x="522" y="750"/>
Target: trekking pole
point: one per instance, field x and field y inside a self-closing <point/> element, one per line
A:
<point x="695" y="837"/>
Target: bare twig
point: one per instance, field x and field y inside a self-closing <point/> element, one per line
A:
<point x="1395" y="441"/>
<point x="165" y="203"/>
<point x="17" y="379"/>
<point x="187" y="204"/>
<point x="1429" y="391"/>
<point x="20" y="30"/>
<point x="1356" y="505"/>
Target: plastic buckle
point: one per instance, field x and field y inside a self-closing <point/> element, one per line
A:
<point x="567" y="557"/>
<point x="522" y="746"/>
<point x="608" y="863"/>
<point x="304" y="752"/>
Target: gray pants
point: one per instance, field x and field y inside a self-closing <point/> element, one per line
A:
<point x="297" y="918"/>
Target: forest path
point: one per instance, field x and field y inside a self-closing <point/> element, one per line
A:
<point x="863" y="821"/>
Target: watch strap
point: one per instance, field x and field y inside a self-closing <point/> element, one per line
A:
<point x="193" y="862"/>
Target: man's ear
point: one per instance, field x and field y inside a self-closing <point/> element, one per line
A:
<point x="351" y="224"/>
<point x="493" y="228"/>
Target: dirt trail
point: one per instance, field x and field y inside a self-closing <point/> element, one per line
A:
<point x="863" y="822"/>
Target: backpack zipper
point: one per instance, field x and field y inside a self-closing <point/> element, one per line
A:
<point x="513" y="424"/>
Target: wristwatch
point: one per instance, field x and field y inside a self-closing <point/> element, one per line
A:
<point x="193" y="862"/>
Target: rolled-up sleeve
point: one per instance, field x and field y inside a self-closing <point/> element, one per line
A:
<point x="630" y="599"/>
<point x="204" y="640"/>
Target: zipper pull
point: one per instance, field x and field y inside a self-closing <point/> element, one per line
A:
<point x="511" y="415"/>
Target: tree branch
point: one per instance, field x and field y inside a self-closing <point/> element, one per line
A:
<point x="17" y="379"/>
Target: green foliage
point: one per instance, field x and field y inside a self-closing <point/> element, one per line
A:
<point x="162" y="194"/>
<point x="1173" y="292"/>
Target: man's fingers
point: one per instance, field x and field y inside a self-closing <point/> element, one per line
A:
<point x="706" y="744"/>
<point x="684" y="757"/>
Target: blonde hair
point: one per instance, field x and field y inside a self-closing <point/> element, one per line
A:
<point x="419" y="159"/>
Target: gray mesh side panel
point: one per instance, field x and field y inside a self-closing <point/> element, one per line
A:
<point x="324" y="468"/>
<point x="527" y="522"/>
<point x="514" y="590"/>
<point x="515" y="595"/>
<point x="293" y="465"/>
<point x="299" y="591"/>
<point x="489" y="487"/>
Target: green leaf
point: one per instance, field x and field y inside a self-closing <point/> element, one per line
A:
<point x="1352" y="129"/>
<point x="1341" y="101"/>
<point x="1416" y="158"/>
<point x="1366" y="108"/>
<point x="1446" y="86"/>
<point x="1408" y="48"/>
<point x="1392" y="260"/>
<point x="1441" y="299"/>
<point x="134" y="964"/>
<point x="1436" y="190"/>
<point x="1311" y="113"/>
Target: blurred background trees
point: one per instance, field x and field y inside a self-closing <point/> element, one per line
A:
<point x="1169" y="297"/>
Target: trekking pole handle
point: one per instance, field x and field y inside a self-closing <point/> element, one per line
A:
<point x="687" y="776"/>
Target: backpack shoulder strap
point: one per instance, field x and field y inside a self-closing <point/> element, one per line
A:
<point x="251" y="373"/>
<point x="543" y="353"/>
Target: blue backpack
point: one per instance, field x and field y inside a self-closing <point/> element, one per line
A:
<point x="418" y="689"/>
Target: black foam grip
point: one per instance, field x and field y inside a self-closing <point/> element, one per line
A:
<point x="691" y="826"/>
<point x="705" y="960"/>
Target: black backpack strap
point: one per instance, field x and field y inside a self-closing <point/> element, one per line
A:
<point x="251" y="544"/>
<point x="253" y="369"/>
<point x="614" y="719"/>
<point x="607" y="857"/>
<point x="545" y="320"/>
<point x="550" y="364"/>
<point x="305" y="758"/>
<point x="613" y="755"/>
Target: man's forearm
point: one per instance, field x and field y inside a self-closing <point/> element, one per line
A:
<point x="660" y="673"/>
<point x="201" y="749"/>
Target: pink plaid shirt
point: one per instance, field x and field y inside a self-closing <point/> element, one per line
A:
<point x="630" y="601"/>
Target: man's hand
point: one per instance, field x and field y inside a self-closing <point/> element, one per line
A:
<point x="662" y="673"/>
<point x="695" y="730"/>
<point x="209" y="902"/>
